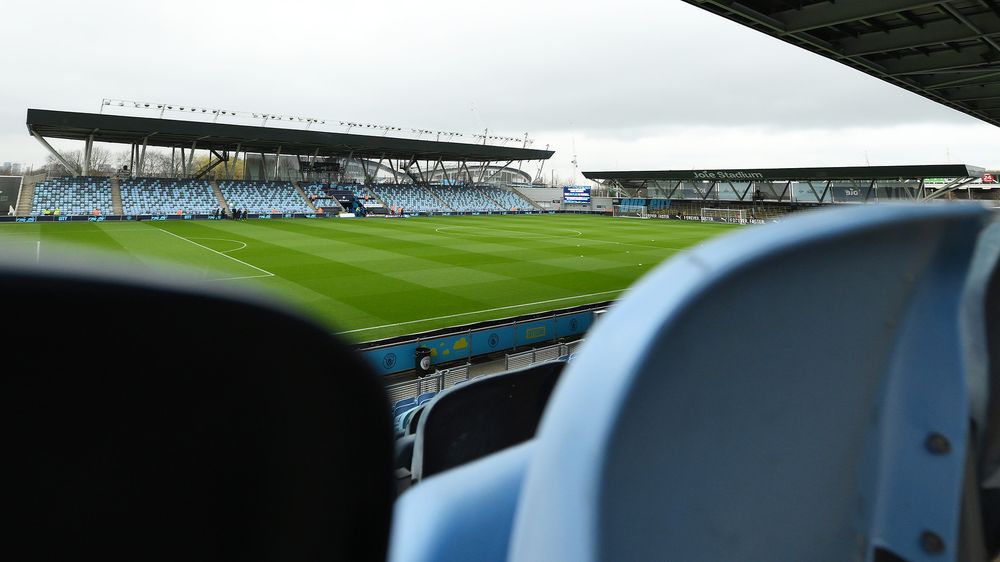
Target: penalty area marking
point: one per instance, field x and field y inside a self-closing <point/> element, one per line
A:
<point x="265" y="272"/>
<point x="481" y="311"/>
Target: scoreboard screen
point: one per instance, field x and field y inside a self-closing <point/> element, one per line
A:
<point x="577" y="194"/>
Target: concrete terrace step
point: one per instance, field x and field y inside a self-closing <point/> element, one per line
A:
<point x="218" y="195"/>
<point x="116" y="197"/>
<point x="23" y="207"/>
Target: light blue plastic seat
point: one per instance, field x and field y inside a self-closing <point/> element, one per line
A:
<point x="797" y="391"/>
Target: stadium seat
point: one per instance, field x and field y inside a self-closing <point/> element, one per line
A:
<point x="481" y="417"/>
<point x="801" y="391"/>
<point x="73" y="196"/>
<point x="160" y="196"/>
<point x="157" y="432"/>
<point x="263" y="197"/>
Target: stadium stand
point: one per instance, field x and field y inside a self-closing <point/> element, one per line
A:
<point x="508" y="199"/>
<point x="654" y="428"/>
<point x="411" y="198"/>
<point x="235" y="456"/>
<point x="263" y="196"/>
<point x="457" y="199"/>
<point x="167" y="196"/>
<point x="73" y="196"/>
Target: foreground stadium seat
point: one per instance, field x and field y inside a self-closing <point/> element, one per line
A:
<point x="800" y="391"/>
<point x="481" y="417"/>
<point x="159" y="431"/>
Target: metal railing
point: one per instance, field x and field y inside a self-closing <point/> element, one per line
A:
<point x="440" y="380"/>
<point x="540" y="355"/>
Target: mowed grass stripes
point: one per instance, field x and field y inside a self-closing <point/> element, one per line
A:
<point x="375" y="278"/>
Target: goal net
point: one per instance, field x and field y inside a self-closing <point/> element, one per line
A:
<point x="631" y="211"/>
<point x="737" y="216"/>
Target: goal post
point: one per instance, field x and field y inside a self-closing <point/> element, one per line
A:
<point x="736" y="216"/>
<point x="631" y="211"/>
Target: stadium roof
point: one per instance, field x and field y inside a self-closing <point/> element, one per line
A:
<point x="222" y="136"/>
<point x="803" y="174"/>
<point x="945" y="50"/>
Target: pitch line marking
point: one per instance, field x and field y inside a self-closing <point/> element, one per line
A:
<point x="224" y="240"/>
<point x="481" y="311"/>
<point x="441" y="229"/>
<point x="264" y="271"/>
<point x="235" y="278"/>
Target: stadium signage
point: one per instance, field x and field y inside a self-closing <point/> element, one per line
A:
<point x="576" y="194"/>
<point x="728" y="175"/>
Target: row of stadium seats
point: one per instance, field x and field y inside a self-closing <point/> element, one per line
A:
<point x="263" y="196"/>
<point x="871" y="431"/>
<point x="167" y="196"/>
<point x="459" y="199"/>
<point x="73" y="196"/>
<point x="410" y="198"/>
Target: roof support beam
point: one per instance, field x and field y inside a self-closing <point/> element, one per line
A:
<point x="88" y="149"/>
<point x="814" y="16"/>
<point x="923" y="64"/>
<point x="498" y="170"/>
<point x="950" y="187"/>
<point x="65" y="163"/>
<point x="933" y="33"/>
<point x="190" y="160"/>
<point x="142" y="157"/>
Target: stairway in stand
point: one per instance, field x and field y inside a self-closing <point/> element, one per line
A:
<point x="218" y="195"/>
<point x="23" y="207"/>
<point x="116" y="197"/>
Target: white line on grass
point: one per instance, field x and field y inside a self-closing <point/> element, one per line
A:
<point x="264" y="271"/>
<point x="443" y="229"/>
<point x="482" y="311"/>
<point x="224" y="240"/>
<point x="242" y="277"/>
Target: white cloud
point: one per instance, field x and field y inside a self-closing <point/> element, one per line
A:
<point x="637" y="84"/>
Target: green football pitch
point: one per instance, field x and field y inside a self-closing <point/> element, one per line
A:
<point x="375" y="278"/>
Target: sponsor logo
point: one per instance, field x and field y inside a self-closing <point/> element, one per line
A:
<point x="988" y="178"/>
<point x="493" y="341"/>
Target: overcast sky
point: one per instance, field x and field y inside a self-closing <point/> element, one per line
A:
<point x="653" y="84"/>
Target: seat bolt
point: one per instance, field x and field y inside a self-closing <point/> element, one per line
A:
<point x="938" y="444"/>
<point x="931" y="543"/>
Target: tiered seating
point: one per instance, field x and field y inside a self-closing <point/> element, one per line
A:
<point x="263" y="196"/>
<point x="73" y="196"/>
<point x="462" y="199"/>
<point x="409" y="198"/>
<point x="155" y="196"/>
<point x="466" y="199"/>
<point x="509" y="200"/>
